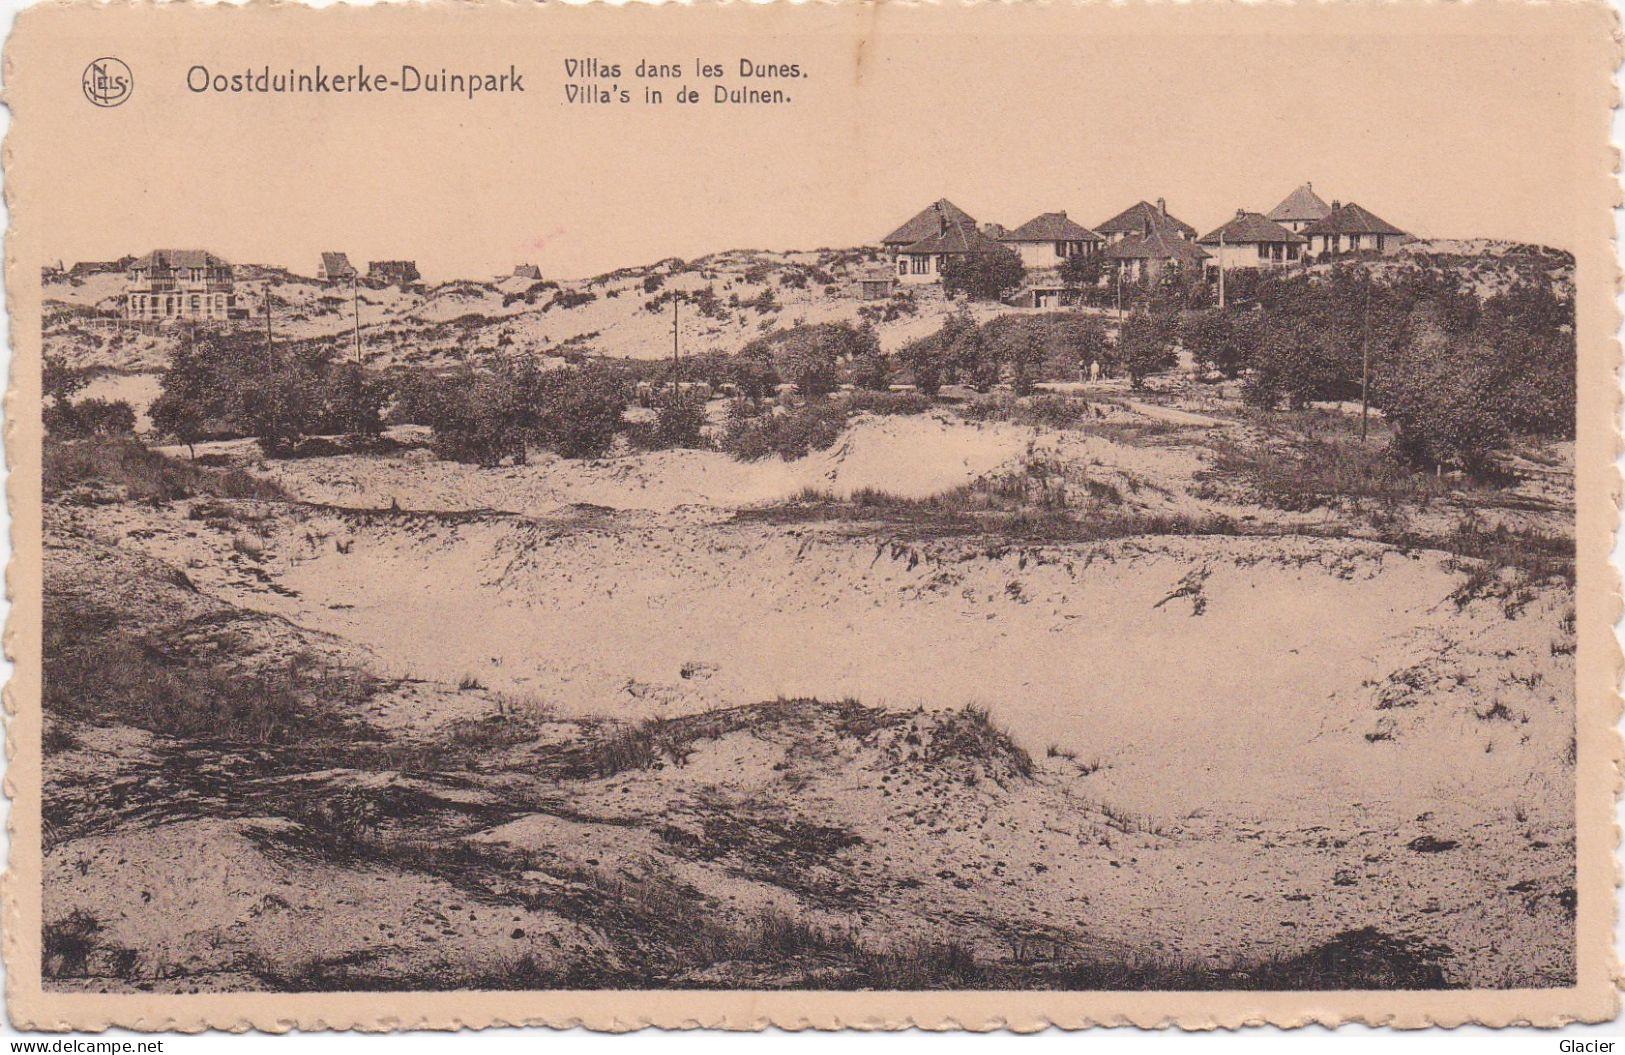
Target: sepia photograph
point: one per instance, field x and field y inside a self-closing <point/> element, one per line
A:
<point x="754" y="502"/>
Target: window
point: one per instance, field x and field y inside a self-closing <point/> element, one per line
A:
<point x="902" y="265"/>
<point x="1382" y="242"/>
<point x="1060" y="249"/>
<point x="922" y="264"/>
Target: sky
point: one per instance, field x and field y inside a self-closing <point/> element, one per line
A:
<point x="1469" y="130"/>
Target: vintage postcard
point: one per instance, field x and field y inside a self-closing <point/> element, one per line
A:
<point x="849" y="515"/>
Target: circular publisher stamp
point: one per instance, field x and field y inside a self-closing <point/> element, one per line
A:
<point x="108" y="82"/>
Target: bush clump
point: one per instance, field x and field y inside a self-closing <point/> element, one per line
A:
<point x="887" y="403"/>
<point x="485" y="417"/>
<point x="144" y="475"/>
<point x="790" y="435"/>
<point x="679" y="422"/>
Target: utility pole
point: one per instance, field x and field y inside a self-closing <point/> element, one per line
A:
<point x="355" y="303"/>
<point x="676" y="359"/>
<point x="1365" y="360"/>
<point x="1119" y="270"/>
<point x="1221" y="267"/>
<point x="268" y="327"/>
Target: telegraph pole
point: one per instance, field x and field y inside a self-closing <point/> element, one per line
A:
<point x="1365" y="360"/>
<point x="267" y="327"/>
<point x="355" y="303"/>
<point x="1221" y="267"/>
<point x="676" y="359"/>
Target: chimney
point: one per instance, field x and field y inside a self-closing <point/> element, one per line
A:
<point x="1336" y="205"/>
<point x="1063" y="214"/>
<point x="1240" y="213"/>
<point x="1162" y="206"/>
<point x="1309" y="184"/>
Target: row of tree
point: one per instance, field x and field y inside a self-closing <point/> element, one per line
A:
<point x="1456" y="373"/>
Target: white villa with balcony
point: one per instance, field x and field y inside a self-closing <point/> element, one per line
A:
<point x="179" y="284"/>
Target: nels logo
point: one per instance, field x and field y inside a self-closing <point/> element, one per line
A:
<point x="107" y="82"/>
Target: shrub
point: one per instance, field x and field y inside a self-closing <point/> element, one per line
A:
<point x="933" y="360"/>
<point x="1145" y="345"/>
<point x="567" y="299"/>
<point x="583" y="411"/>
<point x="232" y="385"/>
<point x="65" y="418"/>
<point x="484" y="418"/>
<point x="144" y="475"/>
<point x="353" y="402"/>
<point x="1444" y="400"/>
<point x="1219" y="339"/>
<point x="872" y="370"/>
<point x="990" y="275"/>
<point x="1044" y="411"/>
<point x="488" y="416"/>
<point x="810" y="355"/>
<point x="97" y="668"/>
<point x="679" y="422"/>
<point x="790" y="435"/>
<point x="89" y="417"/>
<point x="926" y="362"/>
<point x="885" y="403"/>
<point x="412" y="395"/>
<point x="66" y="944"/>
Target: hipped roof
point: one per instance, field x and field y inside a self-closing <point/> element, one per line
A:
<point x="1051" y="227"/>
<point x="1351" y="219"/>
<point x="1158" y="245"/>
<point x="1250" y="227"/>
<point x="958" y="238"/>
<point x="929" y="221"/>
<point x="1301" y="204"/>
<point x="1141" y="217"/>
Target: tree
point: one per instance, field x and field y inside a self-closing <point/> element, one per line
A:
<point x="990" y="275"/>
<point x="67" y="418"/>
<point x="583" y="409"/>
<point x="810" y="355"/>
<point x="354" y="402"/>
<point x="1145" y="345"/>
<point x="871" y="368"/>
<point x="924" y="359"/>
<point x="198" y="394"/>
<point x="1022" y="354"/>
<point x="1443" y="398"/>
<point x="280" y="410"/>
<point x="1083" y="271"/>
<point x="975" y="358"/>
<point x="59" y="382"/>
<point x="1220" y="339"/>
<point x="486" y="416"/>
